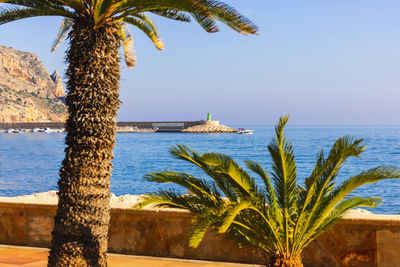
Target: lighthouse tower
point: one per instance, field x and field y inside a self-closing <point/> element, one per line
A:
<point x="211" y="122"/>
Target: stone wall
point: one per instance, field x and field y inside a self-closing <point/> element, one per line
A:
<point x="358" y="240"/>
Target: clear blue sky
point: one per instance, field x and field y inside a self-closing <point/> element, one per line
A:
<point x="324" y="62"/>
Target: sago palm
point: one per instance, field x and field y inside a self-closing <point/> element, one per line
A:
<point x="96" y="29"/>
<point x="280" y="217"/>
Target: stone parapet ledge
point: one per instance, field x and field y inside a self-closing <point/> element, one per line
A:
<point x="350" y="218"/>
<point x="357" y="240"/>
<point x="372" y="219"/>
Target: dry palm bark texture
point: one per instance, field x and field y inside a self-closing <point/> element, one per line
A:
<point x="81" y="223"/>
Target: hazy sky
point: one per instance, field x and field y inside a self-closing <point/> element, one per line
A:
<point x="324" y="62"/>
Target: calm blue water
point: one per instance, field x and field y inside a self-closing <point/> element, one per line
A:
<point x="29" y="162"/>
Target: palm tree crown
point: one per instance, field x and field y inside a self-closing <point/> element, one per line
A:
<point x="121" y="13"/>
<point x="281" y="218"/>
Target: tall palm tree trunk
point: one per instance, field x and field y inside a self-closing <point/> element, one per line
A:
<point x="82" y="220"/>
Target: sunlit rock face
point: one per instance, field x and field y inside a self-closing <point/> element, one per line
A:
<point x="28" y="93"/>
<point x="59" y="91"/>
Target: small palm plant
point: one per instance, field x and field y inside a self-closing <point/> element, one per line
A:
<point x="280" y="218"/>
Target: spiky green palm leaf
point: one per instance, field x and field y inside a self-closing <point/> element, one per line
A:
<point x="65" y="27"/>
<point x="171" y="13"/>
<point x="320" y="183"/>
<point x="284" y="176"/>
<point x="281" y="218"/>
<point x="127" y="12"/>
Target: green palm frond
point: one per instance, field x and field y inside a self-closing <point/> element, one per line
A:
<point x="147" y="27"/>
<point x="231" y="173"/>
<point x="187" y="154"/>
<point x="127" y="44"/>
<point x="170" y="199"/>
<point x="171" y="13"/>
<point x="126" y="8"/>
<point x="29" y="3"/>
<point x="370" y="176"/>
<point x="9" y="14"/>
<point x="281" y="218"/>
<point x="336" y="214"/>
<point x="204" y="11"/>
<point x="231" y="215"/>
<point x="105" y="7"/>
<point x="320" y="183"/>
<point x="244" y="236"/>
<point x="284" y="175"/>
<point x="236" y="216"/>
<point x="206" y="22"/>
<point x="200" y="187"/>
<point x="99" y="13"/>
<point x="229" y="16"/>
<point x="78" y="5"/>
<point x="274" y="210"/>
<point x="65" y="27"/>
<point x="284" y="168"/>
<point x="161" y="199"/>
<point x="146" y="19"/>
<point x="203" y="223"/>
<point x="103" y="11"/>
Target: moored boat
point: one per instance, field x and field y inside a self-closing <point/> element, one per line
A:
<point x="49" y="130"/>
<point x="243" y="131"/>
<point x="38" y="130"/>
<point x="13" y="131"/>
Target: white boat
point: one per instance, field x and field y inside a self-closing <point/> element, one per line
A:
<point x="243" y="131"/>
<point x="13" y="131"/>
<point x="38" y="130"/>
<point x="49" y="130"/>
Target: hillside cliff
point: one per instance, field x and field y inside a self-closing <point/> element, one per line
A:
<point x="28" y="93"/>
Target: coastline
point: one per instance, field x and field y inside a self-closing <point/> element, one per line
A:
<point x="200" y="126"/>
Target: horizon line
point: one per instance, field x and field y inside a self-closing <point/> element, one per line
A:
<point x="319" y="124"/>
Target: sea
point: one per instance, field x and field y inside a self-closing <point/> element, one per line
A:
<point x="29" y="162"/>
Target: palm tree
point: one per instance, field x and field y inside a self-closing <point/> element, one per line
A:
<point x="280" y="218"/>
<point x="96" y="29"/>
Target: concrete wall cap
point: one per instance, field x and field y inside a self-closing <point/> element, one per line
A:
<point x="370" y="218"/>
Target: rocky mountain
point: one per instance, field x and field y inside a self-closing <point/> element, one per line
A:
<point x="28" y="93"/>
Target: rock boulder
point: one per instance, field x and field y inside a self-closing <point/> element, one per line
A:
<point x="27" y="92"/>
